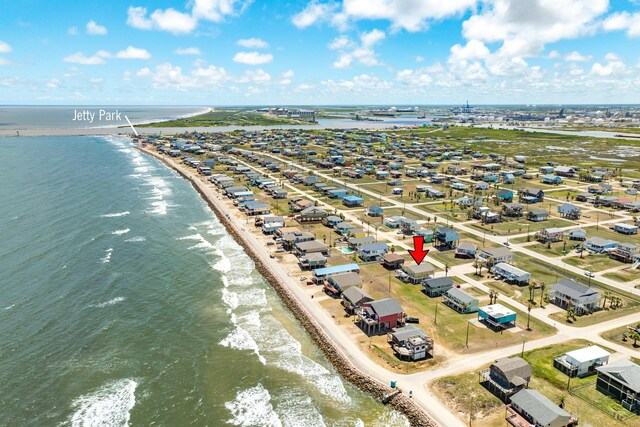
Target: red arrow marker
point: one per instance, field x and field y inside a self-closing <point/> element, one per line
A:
<point x="418" y="253"/>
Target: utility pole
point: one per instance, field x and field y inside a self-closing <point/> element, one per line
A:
<point x="435" y="319"/>
<point x="523" y="341"/>
<point x="467" y="340"/>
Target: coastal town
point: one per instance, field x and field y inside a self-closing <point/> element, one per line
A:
<point x="525" y="308"/>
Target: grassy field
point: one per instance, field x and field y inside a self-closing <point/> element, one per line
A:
<point x="522" y="225"/>
<point x="226" y="118"/>
<point x="466" y="395"/>
<point x="616" y="336"/>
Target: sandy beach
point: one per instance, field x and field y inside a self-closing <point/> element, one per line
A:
<point x="347" y="357"/>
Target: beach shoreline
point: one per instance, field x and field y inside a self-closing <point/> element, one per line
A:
<point x="294" y="299"/>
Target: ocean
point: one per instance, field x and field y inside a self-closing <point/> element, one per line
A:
<point x="123" y="301"/>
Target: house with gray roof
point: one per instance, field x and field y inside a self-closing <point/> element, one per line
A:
<point x="410" y="342"/>
<point x="460" y="301"/>
<point x="621" y="380"/>
<point x="437" y="286"/>
<point x="354" y="298"/>
<point x="506" y="377"/>
<point x="381" y="315"/>
<point x="535" y="409"/>
<point x="372" y="251"/>
<point x="567" y="293"/>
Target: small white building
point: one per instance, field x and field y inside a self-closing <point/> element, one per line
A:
<point x="582" y="362"/>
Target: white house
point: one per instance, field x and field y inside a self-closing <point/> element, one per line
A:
<point x="582" y="362"/>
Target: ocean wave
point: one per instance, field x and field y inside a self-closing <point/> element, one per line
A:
<point x="252" y="408"/>
<point x="158" y="208"/>
<point x="113" y="301"/>
<point x="297" y="409"/>
<point x="136" y="239"/>
<point x="109" y="406"/>
<point x="9" y="307"/>
<point x="203" y="243"/>
<point x="391" y="417"/>
<point x="240" y="339"/>
<point x="120" y="232"/>
<point x="107" y="256"/>
<point x="115" y="215"/>
<point x="246" y="298"/>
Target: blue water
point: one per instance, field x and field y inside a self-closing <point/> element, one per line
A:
<point x="124" y="301"/>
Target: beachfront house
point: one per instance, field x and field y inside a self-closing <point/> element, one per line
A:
<point x="414" y="273"/>
<point x="582" y="298"/>
<point x="338" y="283"/>
<point x="254" y="208"/>
<point x="291" y="238"/>
<point x="531" y="408"/>
<point x="436" y="286"/>
<point x="460" y="301"/>
<point x="582" y="362"/>
<point x="497" y="316"/>
<point x="621" y="381"/>
<point x="271" y="223"/>
<point x="378" y="316"/>
<point x="354" y="298"/>
<point x="510" y="274"/>
<point x="321" y="274"/>
<point x="410" y="343"/>
<point x="372" y="251"/>
<point x="312" y="261"/>
<point x="312" y="246"/>
<point x="506" y="377"/>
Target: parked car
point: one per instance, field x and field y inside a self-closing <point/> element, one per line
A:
<point x="410" y="319"/>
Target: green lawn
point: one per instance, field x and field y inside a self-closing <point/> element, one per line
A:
<point x="226" y="118"/>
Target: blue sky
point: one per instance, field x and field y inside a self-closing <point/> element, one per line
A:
<point x="243" y="52"/>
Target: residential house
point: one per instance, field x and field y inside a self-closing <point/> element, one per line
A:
<point x="372" y="251"/>
<point x="551" y="179"/>
<point x="312" y="214"/>
<point x="332" y="221"/>
<point x="531" y="408"/>
<point x="625" y="252"/>
<point x="460" y="301"/>
<point x="482" y="186"/>
<point x="497" y="316"/>
<point x="508" y="178"/>
<point x="409" y="226"/>
<point x="290" y="239"/>
<point x="426" y="233"/>
<point x="537" y="215"/>
<point x="447" y="237"/>
<point x="353" y="298"/>
<point x="578" y="234"/>
<point x="492" y="256"/>
<point x="410" y="342"/>
<point x="356" y="232"/>
<point x="310" y="180"/>
<point x="298" y="204"/>
<point x="393" y="221"/>
<point x="381" y="315"/>
<point x="550" y="235"/>
<point x="343" y="227"/>
<point x="434" y="287"/>
<point x="312" y="261"/>
<point x="512" y="209"/>
<point x="416" y="274"/>
<point x="374" y="211"/>
<point x="569" y="211"/>
<point x="352" y="201"/>
<point x="506" y="377"/>
<point x="338" y="193"/>
<point x="271" y="223"/>
<point x="355" y="242"/>
<point x="338" y="283"/>
<point x="505" y="195"/>
<point x="581" y="362"/>
<point x="621" y="380"/>
<point x="567" y="171"/>
<point x="511" y="274"/>
<point x="392" y="261"/>
<point x="623" y="228"/>
<point x="531" y="195"/>
<point x="568" y="293"/>
<point x="309" y="247"/>
<point x="466" y="249"/>
<point x="599" y="245"/>
<point x="254" y="208"/>
<point x="321" y="274"/>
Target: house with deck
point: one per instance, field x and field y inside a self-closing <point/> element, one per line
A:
<point x="531" y="408"/>
<point x="537" y="215"/>
<point x="582" y="362"/>
<point x="627" y="229"/>
<point x="568" y="293"/>
<point x="460" y="301"/>
<point x="446" y="237"/>
<point x="392" y="261"/>
<point x="511" y="274"/>
<point x="374" y="211"/>
<point x="492" y="256"/>
<point x="352" y="201"/>
<point x="512" y="209"/>
<point x="625" y="252"/>
<point x="410" y="343"/>
<point x="312" y="261"/>
<point x="531" y="195"/>
<point x="497" y="316"/>
<point x="569" y="211"/>
<point x="372" y="251"/>
<point x="354" y="298"/>
<point x="378" y="316"/>
<point x="312" y="214"/>
<point x="436" y="286"/>
<point x="505" y="196"/>
<point x="321" y="274"/>
<point x="599" y="245"/>
<point x="550" y="235"/>
<point x="621" y="381"/>
<point x="506" y="377"/>
<point x="414" y="273"/>
<point x="271" y="223"/>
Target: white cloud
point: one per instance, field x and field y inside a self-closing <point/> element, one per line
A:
<point x="133" y="53"/>
<point x="314" y="12"/>
<point x="80" y="58"/>
<point x="143" y="72"/>
<point x="613" y="67"/>
<point x="169" y="20"/>
<point x="285" y="78"/>
<point x="253" y="43"/>
<point x="168" y="76"/>
<point x="553" y="54"/>
<point x="258" y="76"/>
<point x="419" y="58"/>
<point x="623" y="21"/>
<point x="414" y="77"/>
<point x="53" y="83"/>
<point x="253" y="58"/>
<point x="95" y="29"/>
<point x="403" y="14"/>
<point x="362" y="53"/>
<point x="4" y="47"/>
<point x="72" y="31"/>
<point x="177" y="22"/>
<point x="188" y="51"/>
<point x="576" y="56"/>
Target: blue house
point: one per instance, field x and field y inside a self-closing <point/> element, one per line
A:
<point x="569" y="211"/>
<point x="321" y="274"/>
<point x="482" y="186"/>
<point x="445" y="236"/>
<point x="490" y="177"/>
<point x="505" y="195"/>
<point x="352" y="201"/>
<point x="372" y="251"/>
<point x="337" y="193"/>
<point x="344" y="227"/>
<point x="375" y="210"/>
<point x="551" y="179"/>
<point x="497" y="316"/>
<point x="600" y="245"/>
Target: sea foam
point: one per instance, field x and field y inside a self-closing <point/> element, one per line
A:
<point x="113" y="301"/>
<point x="252" y="407"/>
<point x="109" y="406"/>
<point x="120" y="232"/>
<point x="115" y="215"/>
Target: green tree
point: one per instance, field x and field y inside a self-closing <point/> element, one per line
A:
<point x="543" y="286"/>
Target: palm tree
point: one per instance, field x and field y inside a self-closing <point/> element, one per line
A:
<point x="543" y="286"/>
<point x="635" y="336"/>
<point x="446" y="269"/>
<point x="393" y="249"/>
<point x="532" y="290"/>
<point x="561" y="400"/>
<point x="605" y="297"/>
<point x="571" y="312"/>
